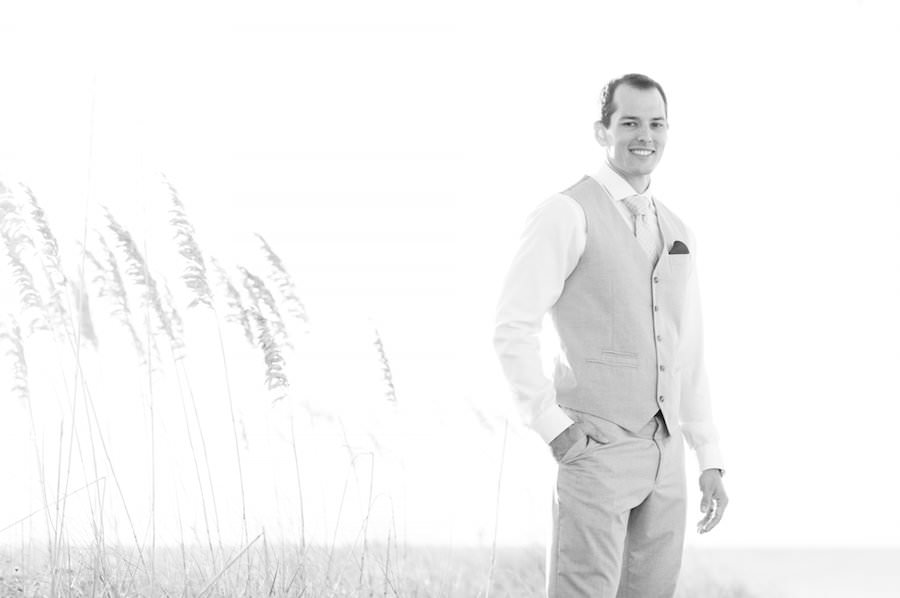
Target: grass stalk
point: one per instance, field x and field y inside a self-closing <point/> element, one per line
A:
<point x="51" y="246"/>
<point x="237" y="445"/>
<point x="184" y="565"/>
<point x="490" y="579"/>
<point x="35" y="512"/>
<point x="337" y="526"/>
<point x="57" y="539"/>
<point x="266" y="570"/>
<point x="365" y="530"/>
<point x="195" y="279"/>
<point x="112" y="469"/>
<point x="152" y="465"/>
<point x="12" y="332"/>
<point x="299" y="487"/>
<point x="233" y="560"/>
<point x="190" y="437"/>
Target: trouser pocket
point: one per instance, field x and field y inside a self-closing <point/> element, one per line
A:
<point x="575" y="450"/>
<point x="598" y="429"/>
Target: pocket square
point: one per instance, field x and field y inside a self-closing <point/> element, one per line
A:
<point x="678" y="247"/>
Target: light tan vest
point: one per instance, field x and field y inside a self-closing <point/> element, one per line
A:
<point x="619" y="317"/>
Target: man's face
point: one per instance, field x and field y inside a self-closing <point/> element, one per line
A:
<point x="637" y="132"/>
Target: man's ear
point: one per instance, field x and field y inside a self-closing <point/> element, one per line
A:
<point x="601" y="133"/>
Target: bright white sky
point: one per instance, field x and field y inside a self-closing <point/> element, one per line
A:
<point x="390" y="152"/>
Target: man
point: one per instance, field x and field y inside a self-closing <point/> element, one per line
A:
<point x="616" y="270"/>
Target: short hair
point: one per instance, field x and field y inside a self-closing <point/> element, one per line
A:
<point x="635" y="80"/>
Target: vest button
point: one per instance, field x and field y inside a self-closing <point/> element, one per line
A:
<point x="655" y="308"/>
<point x="662" y="399"/>
<point x="659" y="337"/>
<point x="656" y="279"/>
<point x="662" y="368"/>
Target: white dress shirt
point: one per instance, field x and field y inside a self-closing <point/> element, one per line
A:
<point x="550" y="247"/>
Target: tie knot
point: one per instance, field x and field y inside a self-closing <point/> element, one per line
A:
<point x="638" y="204"/>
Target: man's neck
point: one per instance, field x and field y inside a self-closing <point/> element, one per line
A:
<point x="639" y="183"/>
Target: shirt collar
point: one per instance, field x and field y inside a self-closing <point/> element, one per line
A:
<point x="618" y="187"/>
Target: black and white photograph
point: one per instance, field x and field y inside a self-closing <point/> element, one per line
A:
<point x="589" y="299"/>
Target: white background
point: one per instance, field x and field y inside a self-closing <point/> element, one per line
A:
<point x="390" y="152"/>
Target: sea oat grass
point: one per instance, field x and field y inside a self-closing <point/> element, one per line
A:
<point x="194" y="274"/>
<point x="275" y="377"/>
<point x="138" y="272"/>
<point x="263" y="302"/>
<point x="283" y="282"/>
<point x="387" y="375"/>
<point x="235" y="311"/>
<point x="109" y="286"/>
<point x="18" y="247"/>
<point x="47" y="250"/>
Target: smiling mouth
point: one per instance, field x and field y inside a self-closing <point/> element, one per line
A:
<point x="643" y="153"/>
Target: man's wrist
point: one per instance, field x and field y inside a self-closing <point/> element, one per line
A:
<point x="564" y="441"/>
<point x="562" y="436"/>
<point x="551" y="423"/>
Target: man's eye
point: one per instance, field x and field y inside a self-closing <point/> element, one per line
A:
<point x="628" y="124"/>
<point x="658" y="125"/>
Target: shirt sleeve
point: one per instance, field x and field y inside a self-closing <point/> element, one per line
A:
<point x="696" y="408"/>
<point x="549" y="249"/>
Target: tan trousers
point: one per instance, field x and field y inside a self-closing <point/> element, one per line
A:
<point x="619" y="513"/>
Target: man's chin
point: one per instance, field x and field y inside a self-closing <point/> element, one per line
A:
<point x="642" y="168"/>
<point x="636" y="172"/>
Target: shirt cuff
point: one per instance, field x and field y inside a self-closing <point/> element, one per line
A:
<point x="551" y="423"/>
<point x="710" y="457"/>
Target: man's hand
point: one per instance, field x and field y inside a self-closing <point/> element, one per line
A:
<point x="714" y="500"/>
<point x="566" y="440"/>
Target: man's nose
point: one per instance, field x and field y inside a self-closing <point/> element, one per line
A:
<point x="644" y="133"/>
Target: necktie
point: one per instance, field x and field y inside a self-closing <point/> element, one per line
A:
<point x="639" y="205"/>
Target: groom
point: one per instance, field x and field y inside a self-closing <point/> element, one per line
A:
<point x="616" y="270"/>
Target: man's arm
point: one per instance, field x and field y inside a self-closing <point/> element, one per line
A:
<point x="549" y="249"/>
<point x="696" y="409"/>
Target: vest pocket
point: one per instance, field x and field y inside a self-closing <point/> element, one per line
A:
<point x="615" y="358"/>
<point x="679" y="265"/>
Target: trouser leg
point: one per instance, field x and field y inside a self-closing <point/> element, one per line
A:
<point x="585" y="555"/>
<point x="655" y="539"/>
<point x="597" y="487"/>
